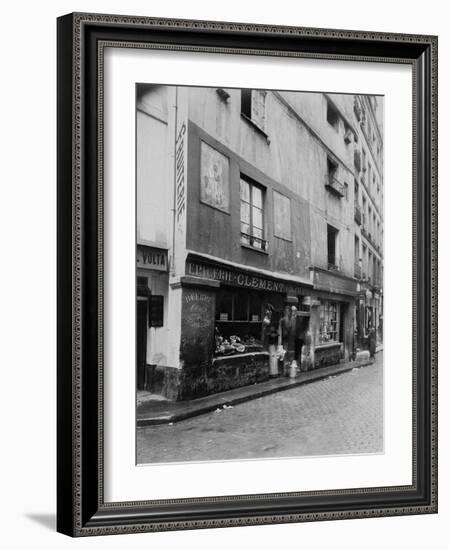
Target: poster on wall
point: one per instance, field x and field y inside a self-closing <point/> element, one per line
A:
<point x="214" y="178"/>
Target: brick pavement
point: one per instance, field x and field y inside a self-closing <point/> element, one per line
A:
<point x="337" y="415"/>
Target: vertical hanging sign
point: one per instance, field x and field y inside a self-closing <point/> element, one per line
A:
<point x="180" y="180"/>
<point x="180" y="184"/>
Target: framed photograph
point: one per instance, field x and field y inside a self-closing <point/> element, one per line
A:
<point x="247" y="274"/>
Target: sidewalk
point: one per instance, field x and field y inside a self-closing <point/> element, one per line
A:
<point x="151" y="412"/>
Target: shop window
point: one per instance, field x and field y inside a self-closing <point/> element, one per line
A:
<point x="329" y="322"/>
<point x="332" y="115"/>
<point x="332" y="235"/>
<point x="238" y="318"/>
<point x="224" y="306"/>
<point x="253" y="106"/>
<point x="255" y="308"/>
<point x="252" y="215"/>
<point x="239" y="305"/>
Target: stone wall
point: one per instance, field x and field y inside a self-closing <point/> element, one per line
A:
<point x="328" y="354"/>
<point x="223" y="373"/>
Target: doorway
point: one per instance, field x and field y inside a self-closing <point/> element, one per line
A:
<point x="302" y="326"/>
<point x="141" y="341"/>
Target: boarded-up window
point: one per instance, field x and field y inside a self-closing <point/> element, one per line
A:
<point x="282" y="216"/>
<point x="214" y="178"/>
<point x="253" y="106"/>
<point x="258" y="108"/>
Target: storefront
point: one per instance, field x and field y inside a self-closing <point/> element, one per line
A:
<point x="151" y="315"/>
<point x="332" y="317"/>
<point x="236" y="326"/>
<point x="230" y="318"/>
<point x="369" y="314"/>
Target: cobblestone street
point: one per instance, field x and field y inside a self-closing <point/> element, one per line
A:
<point x="337" y="415"/>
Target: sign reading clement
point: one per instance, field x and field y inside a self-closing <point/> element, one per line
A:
<point x="236" y="278"/>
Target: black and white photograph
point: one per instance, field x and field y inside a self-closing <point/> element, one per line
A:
<point x="225" y="217"/>
<point x="259" y="274"/>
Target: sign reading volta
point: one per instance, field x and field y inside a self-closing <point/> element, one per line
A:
<point x="152" y="258"/>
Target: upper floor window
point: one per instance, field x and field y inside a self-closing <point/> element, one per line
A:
<point x="252" y="214"/>
<point x="332" y="115"/>
<point x="356" y="249"/>
<point x="331" y="182"/>
<point x="253" y="106"/>
<point x="332" y="236"/>
<point x="364" y="260"/>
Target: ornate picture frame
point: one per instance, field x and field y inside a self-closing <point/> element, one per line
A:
<point x="81" y="508"/>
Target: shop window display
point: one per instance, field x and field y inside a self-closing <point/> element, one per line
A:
<point x="329" y="322"/>
<point x="242" y="321"/>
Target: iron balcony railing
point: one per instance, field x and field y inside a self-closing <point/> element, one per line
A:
<point x="254" y="242"/>
<point x="332" y="184"/>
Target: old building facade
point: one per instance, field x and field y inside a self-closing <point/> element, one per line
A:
<point x="259" y="234"/>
